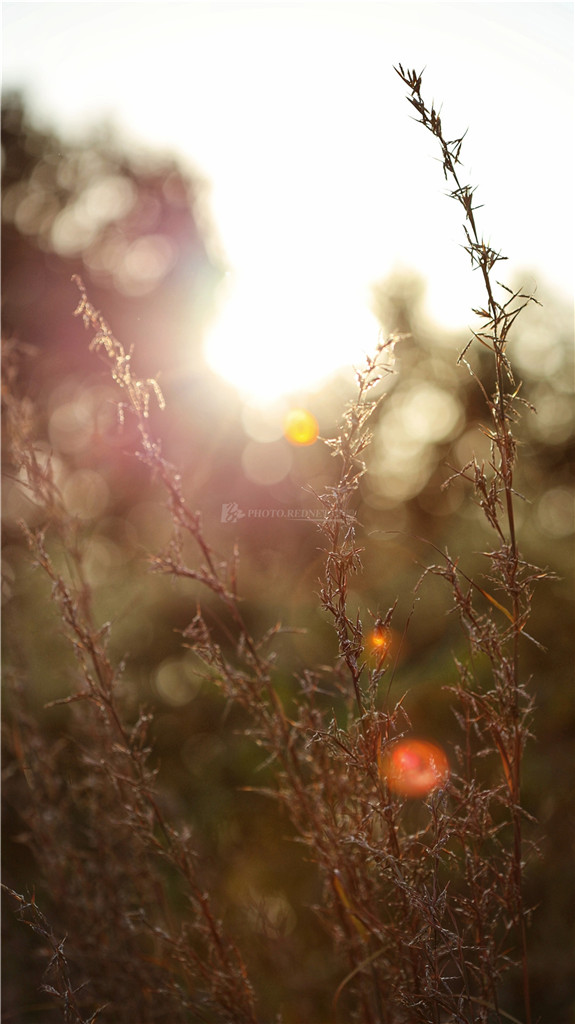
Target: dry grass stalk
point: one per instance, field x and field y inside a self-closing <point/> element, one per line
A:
<point x="422" y="899"/>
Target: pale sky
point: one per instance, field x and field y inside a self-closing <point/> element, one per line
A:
<point x="321" y="184"/>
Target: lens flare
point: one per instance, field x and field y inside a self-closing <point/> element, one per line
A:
<point x="380" y="643"/>
<point x="301" y="427"/>
<point x="413" y="767"/>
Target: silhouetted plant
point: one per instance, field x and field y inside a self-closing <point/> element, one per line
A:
<point x="422" y="881"/>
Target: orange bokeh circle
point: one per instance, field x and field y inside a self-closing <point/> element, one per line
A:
<point x="413" y="767"/>
<point x="380" y="642"/>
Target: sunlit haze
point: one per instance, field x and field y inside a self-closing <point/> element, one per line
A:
<point x="320" y="183"/>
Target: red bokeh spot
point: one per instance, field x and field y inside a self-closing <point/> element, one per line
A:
<point x="413" y="767"/>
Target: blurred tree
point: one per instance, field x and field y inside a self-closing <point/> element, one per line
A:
<point x="134" y="227"/>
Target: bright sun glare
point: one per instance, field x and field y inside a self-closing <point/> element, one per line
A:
<point x="267" y="350"/>
<point x="320" y="186"/>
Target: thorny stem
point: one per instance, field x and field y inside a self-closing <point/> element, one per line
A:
<point x="339" y="523"/>
<point x="137" y="779"/>
<point x="498" y="321"/>
<point x="132" y="778"/>
<point x="211" y="575"/>
<point x="57" y="974"/>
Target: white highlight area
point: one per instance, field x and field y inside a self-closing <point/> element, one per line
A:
<point x="320" y="184"/>
<point x="268" y="347"/>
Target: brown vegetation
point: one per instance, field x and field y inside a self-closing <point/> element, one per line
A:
<point x="420" y="912"/>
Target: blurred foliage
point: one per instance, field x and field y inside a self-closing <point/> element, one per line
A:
<point x="137" y="229"/>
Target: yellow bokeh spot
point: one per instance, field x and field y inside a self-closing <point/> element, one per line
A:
<point x="301" y="427"/>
